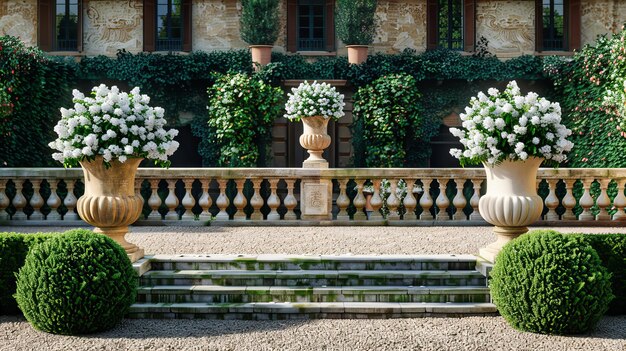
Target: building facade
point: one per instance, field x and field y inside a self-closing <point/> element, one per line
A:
<point x="513" y="28"/>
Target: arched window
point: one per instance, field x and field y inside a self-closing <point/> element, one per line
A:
<point x="558" y="25"/>
<point x="451" y="24"/>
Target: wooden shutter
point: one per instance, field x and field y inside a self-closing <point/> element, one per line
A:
<point x="292" y="12"/>
<point x="186" y="13"/>
<point x="79" y="32"/>
<point x="574" y="33"/>
<point x="45" y="30"/>
<point x="469" y="25"/>
<point x="538" y="25"/>
<point x="149" y="24"/>
<point x="330" y="25"/>
<point x="432" y="24"/>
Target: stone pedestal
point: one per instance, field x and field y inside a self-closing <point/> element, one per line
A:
<point x="316" y="195"/>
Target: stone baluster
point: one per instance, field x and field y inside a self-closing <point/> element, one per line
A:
<point x="551" y="201"/>
<point x="392" y="201"/>
<point x="222" y="201"/>
<point x="171" y="201"/>
<point x="474" y="200"/>
<point x="569" y="201"/>
<point x="586" y="202"/>
<point x="70" y="202"/>
<point x="376" y="202"/>
<point x="205" y="200"/>
<point x="459" y="202"/>
<point x="603" y="201"/>
<point x="138" y="183"/>
<point x="442" y="201"/>
<point x="343" y="201"/>
<point x="290" y="201"/>
<point x="154" y="201"/>
<point x="426" y="202"/>
<point x="36" y="201"/>
<point x="4" y="201"/>
<point x="19" y="201"/>
<point x="273" y="201"/>
<point x="409" y="201"/>
<point x="359" y="201"/>
<point x="256" y="201"/>
<point x="188" y="201"/>
<point x="54" y="201"/>
<point x="619" y="202"/>
<point x="240" y="201"/>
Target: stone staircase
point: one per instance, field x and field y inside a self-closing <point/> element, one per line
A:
<point x="296" y="287"/>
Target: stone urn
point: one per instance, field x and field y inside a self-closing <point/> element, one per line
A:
<point x="511" y="202"/>
<point x="261" y="54"/>
<point x="315" y="139"/>
<point x="357" y="54"/>
<point x="110" y="203"/>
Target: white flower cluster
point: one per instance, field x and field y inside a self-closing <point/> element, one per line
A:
<point x="500" y="126"/>
<point x="114" y="124"/>
<point x="316" y="99"/>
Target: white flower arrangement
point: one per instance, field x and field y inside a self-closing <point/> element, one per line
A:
<point x="508" y="126"/>
<point x="315" y="99"/>
<point x="115" y="125"/>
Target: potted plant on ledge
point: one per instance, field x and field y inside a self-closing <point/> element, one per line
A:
<point x="511" y="135"/>
<point x="356" y="26"/>
<point x="259" y="24"/>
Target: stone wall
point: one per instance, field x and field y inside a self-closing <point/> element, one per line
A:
<point x="111" y="25"/>
<point x="600" y="17"/>
<point x="508" y="25"/>
<point x="19" y="18"/>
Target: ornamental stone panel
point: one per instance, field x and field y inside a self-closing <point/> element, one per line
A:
<point x="508" y="25"/>
<point x="18" y="18"/>
<point x="401" y="25"/>
<point x="111" y="25"/>
<point x="601" y="17"/>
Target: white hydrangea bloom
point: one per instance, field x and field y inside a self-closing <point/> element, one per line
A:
<point x="314" y="99"/>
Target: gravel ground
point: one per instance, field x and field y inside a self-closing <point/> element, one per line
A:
<point x="469" y="333"/>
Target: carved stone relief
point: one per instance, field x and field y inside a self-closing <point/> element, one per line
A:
<point x="601" y="17"/>
<point x="508" y="25"/>
<point x="401" y="25"/>
<point x="18" y="18"/>
<point x="216" y="25"/>
<point x="112" y="25"/>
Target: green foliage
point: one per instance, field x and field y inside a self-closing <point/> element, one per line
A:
<point x="13" y="250"/>
<point x="582" y="84"/>
<point x="388" y="110"/>
<point x="76" y="283"/>
<point x="242" y="110"/>
<point x="550" y="283"/>
<point x="355" y="22"/>
<point x="259" y="22"/>
<point x="37" y="87"/>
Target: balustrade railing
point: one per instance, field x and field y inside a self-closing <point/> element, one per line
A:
<point x="253" y="195"/>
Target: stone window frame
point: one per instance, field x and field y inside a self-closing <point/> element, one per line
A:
<point x="573" y="35"/>
<point x="46" y="26"/>
<point x="292" y="29"/>
<point x="150" y="24"/>
<point x="469" y="25"/>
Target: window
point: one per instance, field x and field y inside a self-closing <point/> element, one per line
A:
<point x="553" y="25"/>
<point x="59" y="25"/>
<point x="167" y="25"/>
<point x="558" y="25"/>
<point x="450" y="24"/>
<point x="310" y="25"/>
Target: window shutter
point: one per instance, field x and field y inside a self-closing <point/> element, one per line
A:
<point x="431" y="24"/>
<point x="292" y="12"/>
<point x="469" y="24"/>
<point x="45" y="31"/>
<point x="79" y="32"/>
<point x="574" y="34"/>
<point x="538" y="25"/>
<point x="330" y="25"/>
<point x="186" y="25"/>
<point x="149" y="24"/>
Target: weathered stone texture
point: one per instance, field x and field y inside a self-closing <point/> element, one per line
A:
<point x="19" y="18"/>
<point x="112" y="25"/>
<point x="508" y="25"/>
<point x="601" y="17"/>
<point x="401" y="25"/>
<point x="216" y="25"/>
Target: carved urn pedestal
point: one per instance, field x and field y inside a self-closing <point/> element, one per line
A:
<point x="511" y="202"/>
<point x="110" y="203"/>
<point x="316" y="194"/>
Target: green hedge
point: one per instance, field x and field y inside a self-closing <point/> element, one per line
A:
<point x="13" y="250"/>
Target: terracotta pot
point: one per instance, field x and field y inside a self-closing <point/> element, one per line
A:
<point x="315" y="138"/>
<point x="261" y="54"/>
<point x="110" y="203"/>
<point x="357" y="54"/>
<point x="511" y="202"/>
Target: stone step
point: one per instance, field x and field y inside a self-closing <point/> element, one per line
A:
<point x="245" y="294"/>
<point x="315" y="278"/>
<point x="312" y="262"/>
<point x="309" y="310"/>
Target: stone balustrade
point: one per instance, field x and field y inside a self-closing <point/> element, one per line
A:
<point x="187" y="196"/>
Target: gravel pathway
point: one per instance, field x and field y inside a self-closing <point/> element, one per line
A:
<point x="470" y="333"/>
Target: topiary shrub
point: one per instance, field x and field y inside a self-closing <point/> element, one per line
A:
<point x="550" y="283"/>
<point x="78" y="282"/>
<point x="259" y="22"/>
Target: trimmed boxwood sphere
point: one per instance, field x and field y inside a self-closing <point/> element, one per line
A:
<point x="550" y="283"/>
<point x="76" y="283"/>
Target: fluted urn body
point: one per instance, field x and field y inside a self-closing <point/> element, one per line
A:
<point x="511" y="202"/>
<point x="110" y="203"/>
<point x="315" y="138"/>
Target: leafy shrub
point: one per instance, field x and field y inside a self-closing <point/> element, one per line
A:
<point x="78" y="282"/>
<point x="355" y="21"/>
<point x="13" y="250"/>
<point x="259" y="22"/>
<point x="550" y="283"/>
<point x="389" y="112"/>
<point x="242" y="111"/>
